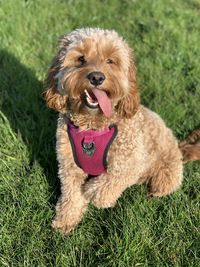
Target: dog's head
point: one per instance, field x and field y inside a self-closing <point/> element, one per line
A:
<point x="93" y="72"/>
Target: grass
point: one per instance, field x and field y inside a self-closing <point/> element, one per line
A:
<point x="138" y="231"/>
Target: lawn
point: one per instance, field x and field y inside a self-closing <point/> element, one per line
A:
<point x="165" y="35"/>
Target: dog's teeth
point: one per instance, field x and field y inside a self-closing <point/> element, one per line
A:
<point x="89" y="100"/>
<point x="87" y="94"/>
<point x="94" y="104"/>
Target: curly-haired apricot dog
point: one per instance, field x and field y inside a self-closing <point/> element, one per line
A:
<point x="106" y="140"/>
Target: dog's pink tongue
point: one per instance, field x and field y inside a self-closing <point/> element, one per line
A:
<point x="104" y="101"/>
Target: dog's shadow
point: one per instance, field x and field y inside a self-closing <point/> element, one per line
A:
<point x="22" y="104"/>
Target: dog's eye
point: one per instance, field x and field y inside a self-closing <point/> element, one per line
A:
<point x="109" y="61"/>
<point x="82" y="60"/>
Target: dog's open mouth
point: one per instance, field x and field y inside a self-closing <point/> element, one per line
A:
<point x="97" y="98"/>
<point x="91" y="100"/>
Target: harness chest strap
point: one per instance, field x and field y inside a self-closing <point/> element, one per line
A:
<point x="90" y="147"/>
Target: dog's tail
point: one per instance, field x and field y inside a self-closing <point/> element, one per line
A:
<point x="190" y="147"/>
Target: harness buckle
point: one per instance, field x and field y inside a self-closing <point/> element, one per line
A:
<point x="88" y="146"/>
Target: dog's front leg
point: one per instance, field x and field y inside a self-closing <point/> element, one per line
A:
<point x="104" y="190"/>
<point x="71" y="204"/>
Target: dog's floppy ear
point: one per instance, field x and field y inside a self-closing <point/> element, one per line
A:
<point x="129" y="104"/>
<point x="54" y="94"/>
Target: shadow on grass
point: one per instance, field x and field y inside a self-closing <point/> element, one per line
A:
<point x="21" y="102"/>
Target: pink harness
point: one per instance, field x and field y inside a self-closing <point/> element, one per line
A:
<point x="90" y="147"/>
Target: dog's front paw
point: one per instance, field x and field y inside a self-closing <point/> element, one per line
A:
<point x="61" y="226"/>
<point x="98" y="195"/>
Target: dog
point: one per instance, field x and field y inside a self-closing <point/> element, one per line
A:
<point x="106" y="140"/>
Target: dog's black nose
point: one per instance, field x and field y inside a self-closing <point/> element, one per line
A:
<point x="96" y="77"/>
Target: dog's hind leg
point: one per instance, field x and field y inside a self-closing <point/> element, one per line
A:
<point x="166" y="179"/>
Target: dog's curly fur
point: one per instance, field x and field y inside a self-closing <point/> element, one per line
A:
<point x="145" y="150"/>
